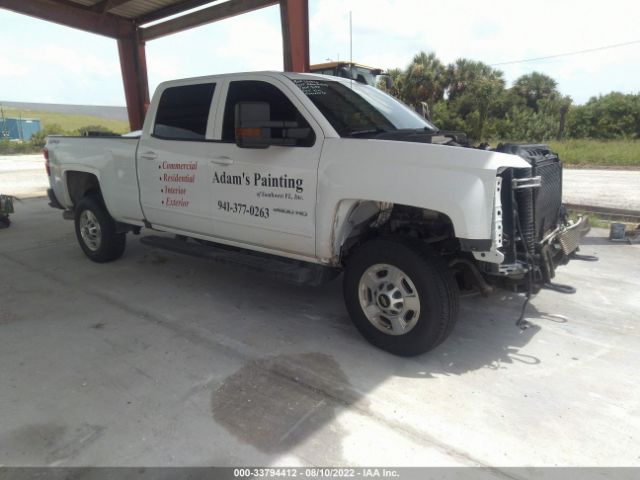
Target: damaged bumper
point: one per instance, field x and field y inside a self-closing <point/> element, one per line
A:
<point x="570" y="237"/>
<point x="554" y="250"/>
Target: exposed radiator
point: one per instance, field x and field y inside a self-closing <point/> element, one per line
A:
<point x="538" y="208"/>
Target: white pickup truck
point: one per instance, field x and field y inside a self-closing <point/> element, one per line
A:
<point x="333" y="176"/>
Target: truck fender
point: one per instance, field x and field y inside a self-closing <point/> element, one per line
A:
<point x="351" y="217"/>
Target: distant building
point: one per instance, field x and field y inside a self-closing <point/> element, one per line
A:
<point x="18" y="128"/>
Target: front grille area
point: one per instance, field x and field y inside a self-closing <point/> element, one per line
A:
<point x="532" y="209"/>
<point x="538" y="208"/>
<point x="547" y="198"/>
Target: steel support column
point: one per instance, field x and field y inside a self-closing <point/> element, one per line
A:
<point x="294" y="15"/>
<point x="133" y="63"/>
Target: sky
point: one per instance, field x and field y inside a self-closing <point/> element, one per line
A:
<point x="45" y="62"/>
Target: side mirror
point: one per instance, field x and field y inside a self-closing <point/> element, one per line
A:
<point x="252" y="124"/>
<point x="255" y="129"/>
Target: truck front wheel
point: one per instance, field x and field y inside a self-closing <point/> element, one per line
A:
<point x="96" y="231"/>
<point x="400" y="296"/>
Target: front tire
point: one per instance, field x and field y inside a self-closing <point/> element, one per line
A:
<point x="96" y="231"/>
<point x="401" y="297"/>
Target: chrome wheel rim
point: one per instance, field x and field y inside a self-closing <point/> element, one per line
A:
<point x="90" y="230"/>
<point x="389" y="299"/>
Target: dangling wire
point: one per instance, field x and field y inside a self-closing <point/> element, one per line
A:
<point x="521" y="322"/>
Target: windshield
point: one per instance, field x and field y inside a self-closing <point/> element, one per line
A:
<point x="360" y="109"/>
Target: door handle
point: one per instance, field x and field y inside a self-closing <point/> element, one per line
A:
<point x="222" y="160"/>
<point x="149" y="155"/>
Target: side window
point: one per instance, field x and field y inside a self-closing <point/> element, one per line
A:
<point x="183" y="112"/>
<point x="255" y="91"/>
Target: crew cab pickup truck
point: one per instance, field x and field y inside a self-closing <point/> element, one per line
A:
<point x="333" y="176"/>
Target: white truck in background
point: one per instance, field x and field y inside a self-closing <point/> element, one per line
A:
<point x="316" y="174"/>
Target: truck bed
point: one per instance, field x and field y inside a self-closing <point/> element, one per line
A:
<point x="112" y="160"/>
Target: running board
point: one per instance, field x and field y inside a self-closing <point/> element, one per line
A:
<point x="290" y="271"/>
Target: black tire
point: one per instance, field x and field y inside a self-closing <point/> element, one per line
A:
<point x="103" y="244"/>
<point x="435" y="287"/>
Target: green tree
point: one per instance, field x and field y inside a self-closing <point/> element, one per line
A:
<point x="39" y="139"/>
<point x="615" y="115"/>
<point x="524" y="124"/>
<point x="464" y="74"/>
<point x="424" y="80"/>
<point x="534" y="87"/>
<point x="471" y="96"/>
<point x="88" y="129"/>
<point x="473" y="93"/>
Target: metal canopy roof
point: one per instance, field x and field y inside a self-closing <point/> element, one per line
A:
<point x="134" y="22"/>
<point x="118" y="18"/>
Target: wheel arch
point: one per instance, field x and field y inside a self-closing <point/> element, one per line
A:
<point x="355" y="220"/>
<point x="80" y="183"/>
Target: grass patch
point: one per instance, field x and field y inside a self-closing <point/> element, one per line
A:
<point x="598" y="153"/>
<point x="56" y="123"/>
<point x="68" y="122"/>
<point x="600" y="220"/>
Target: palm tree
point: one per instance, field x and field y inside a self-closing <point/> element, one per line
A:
<point x="534" y="87"/>
<point x="424" y="80"/>
<point x="465" y="73"/>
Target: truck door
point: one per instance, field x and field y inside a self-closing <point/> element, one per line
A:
<point x="174" y="168"/>
<point x="266" y="197"/>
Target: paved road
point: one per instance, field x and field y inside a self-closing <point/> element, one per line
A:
<point x="603" y="188"/>
<point x="24" y="176"/>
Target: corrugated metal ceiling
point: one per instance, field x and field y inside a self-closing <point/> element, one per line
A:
<point x="138" y="8"/>
<point x="135" y="9"/>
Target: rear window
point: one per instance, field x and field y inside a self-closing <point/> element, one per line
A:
<point x="183" y="112"/>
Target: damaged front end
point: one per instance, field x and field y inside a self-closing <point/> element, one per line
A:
<point x="532" y="232"/>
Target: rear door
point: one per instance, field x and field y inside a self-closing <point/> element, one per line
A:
<point x="266" y="197"/>
<point x="173" y="158"/>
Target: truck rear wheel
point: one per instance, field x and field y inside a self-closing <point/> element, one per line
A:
<point x="96" y="231"/>
<point x="400" y="296"/>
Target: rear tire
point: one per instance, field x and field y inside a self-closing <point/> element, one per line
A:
<point x="96" y="231"/>
<point x="400" y="296"/>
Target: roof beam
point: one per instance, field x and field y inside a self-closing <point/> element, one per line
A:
<point x="106" y="5"/>
<point x="171" y="10"/>
<point x="201" y="17"/>
<point x="71" y="3"/>
<point x="70" y="16"/>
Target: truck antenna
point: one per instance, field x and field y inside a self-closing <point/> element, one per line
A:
<point x="351" y="47"/>
<point x="4" y="133"/>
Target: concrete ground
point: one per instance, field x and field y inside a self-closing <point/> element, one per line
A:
<point x="158" y="359"/>
<point x="24" y="176"/>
